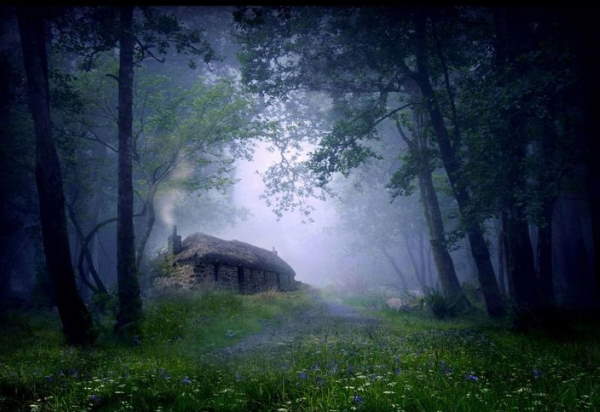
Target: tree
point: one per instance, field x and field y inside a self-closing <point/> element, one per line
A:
<point x="357" y="60"/>
<point x="421" y="156"/>
<point x="76" y="320"/>
<point x="148" y="37"/>
<point x="130" y="303"/>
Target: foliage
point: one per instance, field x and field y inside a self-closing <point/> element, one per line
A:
<point x="441" y="306"/>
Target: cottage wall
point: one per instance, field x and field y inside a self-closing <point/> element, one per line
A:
<point x="227" y="277"/>
<point x="205" y="275"/>
<point x="285" y="282"/>
<point x="271" y="281"/>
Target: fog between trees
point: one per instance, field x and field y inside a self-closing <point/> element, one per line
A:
<point x="400" y="150"/>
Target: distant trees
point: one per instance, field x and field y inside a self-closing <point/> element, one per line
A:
<point x="497" y="88"/>
<point x="154" y="126"/>
<point x="151" y="37"/>
<point x="359" y="62"/>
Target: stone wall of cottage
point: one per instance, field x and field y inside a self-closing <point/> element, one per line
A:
<point x="202" y="275"/>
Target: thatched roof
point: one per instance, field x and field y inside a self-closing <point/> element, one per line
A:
<point x="210" y="249"/>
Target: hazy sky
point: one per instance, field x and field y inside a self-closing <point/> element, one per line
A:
<point x="304" y="246"/>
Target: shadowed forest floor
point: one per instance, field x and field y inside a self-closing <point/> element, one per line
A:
<point x="295" y="352"/>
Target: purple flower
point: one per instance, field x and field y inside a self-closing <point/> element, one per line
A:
<point x="536" y="373"/>
<point x="358" y="399"/>
<point x="94" y="398"/>
<point x="302" y="375"/>
<point x="163" y="374"/>
<point x="472" y="378"/>
<point x="186" y="380"/>
<point x="445" y="369"/>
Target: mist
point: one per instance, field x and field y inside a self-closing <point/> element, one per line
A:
<point x="299" y="208"/>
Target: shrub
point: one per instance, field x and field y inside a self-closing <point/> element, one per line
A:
<point x="440" y="306"/>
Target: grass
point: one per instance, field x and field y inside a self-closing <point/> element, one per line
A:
<point x="405" y="361"/>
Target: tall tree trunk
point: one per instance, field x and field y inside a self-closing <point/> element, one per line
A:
<point x="422" y="258"/>
<point x="544" y="252"/>
<point x="418" y="147"/>
<point x="130" y="303"/>
<point x="75" y="318"/>
<point x="510" y="34"/>
<point x="443" y="261"/>
<point x="520" y="268"/>
<point x="584" y="36"/>
<point x="479" y="249"/>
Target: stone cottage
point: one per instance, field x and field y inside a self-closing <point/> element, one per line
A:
<point x="204" y="261"/>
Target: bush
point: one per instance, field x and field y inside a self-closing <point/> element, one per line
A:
<point x="440" y="306"/>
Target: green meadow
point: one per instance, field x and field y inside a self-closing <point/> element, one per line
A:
<point x="218" y="351"/>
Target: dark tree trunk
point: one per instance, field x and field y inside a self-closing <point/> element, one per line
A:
<point x="511" y="41"/>
<point x="584" y="36"/>
<point x="418" y="146"/>
<point x="521" y="269"/>
<point x="479" y="249"/>
<point x="443" y="261"/>
<point x="544" y="252"/>
<point x="130" y="303"/>
<point x="76" y="320"/>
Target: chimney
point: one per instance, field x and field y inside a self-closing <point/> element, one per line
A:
<point x="174" y="244"/>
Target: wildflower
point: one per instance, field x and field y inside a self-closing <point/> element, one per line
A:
<point x="472" y="378"/>
<point x="320" y="381"/>
<point x="536" y="373"/>
<point x="186" y="380"/>
<point x="49" y="378"/>
<point x="358" y="399"/>
<point x="94" y="398"/>
<point x="445" y="369"/>
<point x="302" y="375"/>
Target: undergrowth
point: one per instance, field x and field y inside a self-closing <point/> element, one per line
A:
<point x="402" y="361"/>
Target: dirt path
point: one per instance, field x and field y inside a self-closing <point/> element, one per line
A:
<point x="323" y="319"/>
